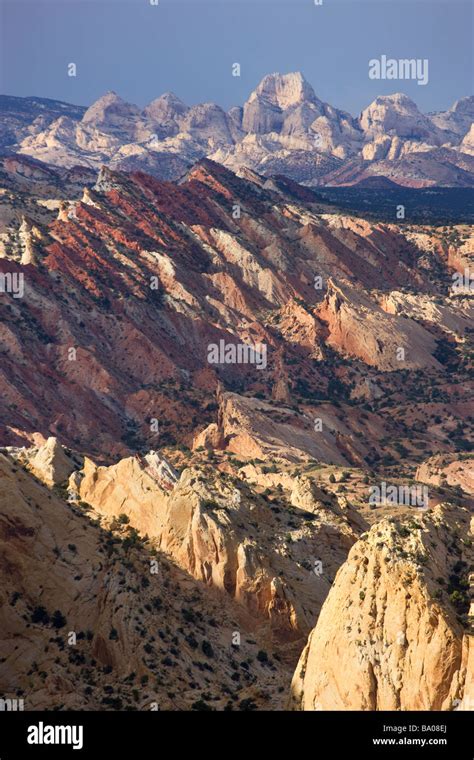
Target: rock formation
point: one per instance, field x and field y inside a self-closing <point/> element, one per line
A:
<point x="94" y="619"/>
<point x="282" y="128"/>
<point x="203" y="381"/>
<point x="228" y="537"/>
<point x="396" y="621"/>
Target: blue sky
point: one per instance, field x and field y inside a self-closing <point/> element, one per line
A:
<point x="141" y="51"/>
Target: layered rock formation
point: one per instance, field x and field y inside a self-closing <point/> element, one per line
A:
<point x="186" y="515"/>
<point x="94" y="619"/>
<point x="396" y="621"/>
<point x="448" y="470"/>
<point x="49" y="463"/>
<point x="362" y="329"/>
<point x="231" y="538"/>
<point x="148" y="276"/>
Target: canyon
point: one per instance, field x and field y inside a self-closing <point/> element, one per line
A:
<point x="180" y="534"/>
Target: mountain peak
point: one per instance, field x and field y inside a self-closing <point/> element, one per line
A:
<point x="268" y="104"/>
<point x="396" y="99"/>
<point x="464" y="106"/>
<point x="167" y="107"/>
<point x="107" y="98"/>
<point x="398" y="113"/>
<point x="107" y="108"/>
<point x="284" y="90"/>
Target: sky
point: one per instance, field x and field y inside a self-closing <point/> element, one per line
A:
<point x="141" y="50"/>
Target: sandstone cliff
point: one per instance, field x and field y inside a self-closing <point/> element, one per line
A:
<point x="92" y="618"/>
<point x="259" y="551"/>
<point x="393" y="633"/>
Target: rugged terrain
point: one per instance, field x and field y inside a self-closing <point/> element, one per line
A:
<point x="98" y="619"/>
<point x="394" y="620"/>
<point x="283" y="128"/>
<point x="126" y="289"/>
<point x="193" y="521"/>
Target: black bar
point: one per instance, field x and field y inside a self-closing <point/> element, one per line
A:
<point x="311" y="734"/>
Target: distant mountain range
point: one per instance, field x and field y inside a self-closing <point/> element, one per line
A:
<point x="283" y="128"/>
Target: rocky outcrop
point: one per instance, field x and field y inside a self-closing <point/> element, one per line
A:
<point x="398" y="115"/>
<point x="48" y="462"/>
<point x="228" y="537"/>
<point x="393" y="633"/>
<point x="94" y="619"/>
<point x="359" y="328"/>
<point x="457" y="119"/>
<point x="166" y="111"/>
<point x="448" y="470"/>
<point x="467" y="143"/>
<point x="253" y="428"/>
<point x="454" y="319"/>
<point x="209" y="438"/>
<point x="131" y="487"/>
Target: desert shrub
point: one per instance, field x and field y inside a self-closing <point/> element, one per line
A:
<point x="40" y="615"/>
<point x="58" y="620"/>
<point x="207" y="648"/>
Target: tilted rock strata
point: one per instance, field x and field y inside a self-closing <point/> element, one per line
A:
<point x="147" y="275"/>
<point x="448" y="470"/>
<point x="230" y="538"/>
<point x="143" y="640"/>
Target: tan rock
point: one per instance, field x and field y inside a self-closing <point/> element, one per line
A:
<point x="209" y="438"/>
<point x="63" y="574"/>
<point x="448" y="469"/>
<point x="50" y="463"/>
<point x="388" y="637"/>
<point x="360" y="328"/>
<point x="228" y="537"/>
